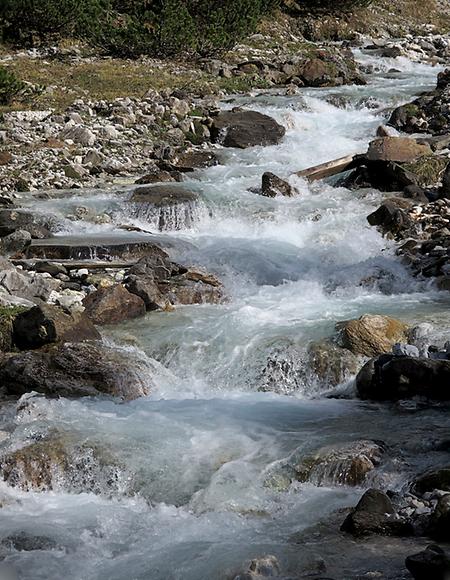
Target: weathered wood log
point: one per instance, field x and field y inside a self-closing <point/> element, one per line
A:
<point x="331" y="168"/>
<point x="76" y="264"/>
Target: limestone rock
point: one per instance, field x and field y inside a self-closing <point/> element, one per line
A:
<point x="399" y="149"/>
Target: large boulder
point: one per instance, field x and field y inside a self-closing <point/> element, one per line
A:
<point x="113" y="305"/>
<point x="399" y="149"/>
<point x="391" y="378"/>
<point x="430" y="564"/>
<point x="241" y="129"/>
<point x="45" y="324"/>
<point x="375" y="514"/>
<point x="76" y="370"/>
<point x="371" y="335"/>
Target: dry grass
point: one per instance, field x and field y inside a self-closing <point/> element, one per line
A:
<point x="107" y="79"/>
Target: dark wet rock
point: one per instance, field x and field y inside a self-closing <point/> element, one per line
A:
<point x="192" y="160"/>
<point x="15" y="243"/>
<point x="146" y="289"/>
<point x="95" y="247"/>
<point x="158" y="265"/>
<point x="193" y="287"/>
<point x="241" y="129"/>
<point x="162" y="283"/>
<point x="439" y="525"/>
<point x="391" y="215"/>
<point x="431" y="480"/>
<point x="371" y="335"/>
<point x="52" y="268"/>
<point x="159" y="195"/>
<point x="416" y="193"/>
<point x="113" y="305"/>
<point x="158" y="176"/>
<point x="45" y="324"/>
<point x="24" y="542"/>
<point x="430" y="564"/>
<point x="428" y="113"/>
<point x="375" y="514"/>
<point x="332" y="364"/>
<point x="75" y="370"/>
<point x="392" y="378"/>
<point x="12" y="220"/>
<point x="272" y="185"/>
<point x="444" y="192"/>
<point x="61" y="463"/>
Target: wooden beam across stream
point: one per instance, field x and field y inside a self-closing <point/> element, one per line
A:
<point x="76" y="264"/>
<point x="331" y="168"/>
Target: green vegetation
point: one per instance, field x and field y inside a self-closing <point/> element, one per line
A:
<point x="7" y="316"/>
<point x="10" y="86"/>
<point x="156" y="27"/>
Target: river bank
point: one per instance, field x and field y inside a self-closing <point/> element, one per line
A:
<point x="200" y="304"/>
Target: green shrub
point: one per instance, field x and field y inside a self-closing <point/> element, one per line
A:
<point x="10" y="86"/>
<point x="26" y="20"/>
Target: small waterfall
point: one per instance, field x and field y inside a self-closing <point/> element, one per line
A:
<point x="172" y="216"/>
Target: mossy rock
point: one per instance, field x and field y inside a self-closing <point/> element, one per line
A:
<point x="7" y="316"/>
<point x="428" y="170"/>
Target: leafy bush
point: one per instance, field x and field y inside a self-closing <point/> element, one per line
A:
<point x="10" y="86"/>
<point x="25" y="20"/>
<point x="157" y="27"/>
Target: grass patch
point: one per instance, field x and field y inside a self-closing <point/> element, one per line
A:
<point x="102" y="79"/>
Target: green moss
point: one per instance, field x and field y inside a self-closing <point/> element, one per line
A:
<point x="428" y="169"/>
<point x="7" y="316"/>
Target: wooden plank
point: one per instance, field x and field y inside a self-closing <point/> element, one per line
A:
<point x="76" y="264"/>
<point x="331" y="168"/>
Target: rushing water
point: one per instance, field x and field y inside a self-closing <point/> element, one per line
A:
<point x="190" y="500"/>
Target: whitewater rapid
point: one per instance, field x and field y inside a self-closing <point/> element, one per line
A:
<point x="191" y="502"/>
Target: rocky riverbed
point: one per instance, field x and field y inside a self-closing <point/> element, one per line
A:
<point x="210" y="367"/>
